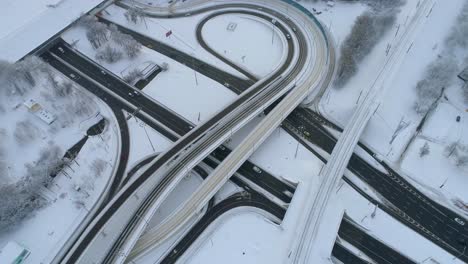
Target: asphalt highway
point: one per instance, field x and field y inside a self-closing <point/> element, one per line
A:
<point x="370" y="246"/>
<point x="405" y="202"/>
<point x="172" y="121"/>
<point x="252" y="199"/>
<point x="242" y="110"/>
<point x="346" y="256"/>
<point x="181" y="144"/>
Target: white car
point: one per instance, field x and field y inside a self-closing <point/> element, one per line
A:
<point x="459" y="221"/>
<point x="257" y="169"/>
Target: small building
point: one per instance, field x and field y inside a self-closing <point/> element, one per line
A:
<point x="464" y="74"/>
<point x="39" y="111"/>
<point x="13" y="253"/>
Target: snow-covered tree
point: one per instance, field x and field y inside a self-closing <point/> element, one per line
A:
<point x="133" y="76"/>
<point x="109" y="54"/>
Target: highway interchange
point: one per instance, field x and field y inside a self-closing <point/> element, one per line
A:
<point x="405" y="203"/>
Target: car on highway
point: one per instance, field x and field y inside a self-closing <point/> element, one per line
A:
<point x="459" y="221"/>
<point x="73" y="76"/>
<point x="257" y="169"/>
<point x="294" y="29"/>
<point x="288" y="36"/>
<point x="134" y="94"/>
<point x="61" y="50"/>
<point x="227" y="84"/>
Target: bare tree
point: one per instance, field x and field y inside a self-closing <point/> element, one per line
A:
<point x="131" y="47"/>
<point x="109" y="54"/>
<point x="97" y="34"/>
<point x="22" y="198"/>
<point x="424" y="150"/>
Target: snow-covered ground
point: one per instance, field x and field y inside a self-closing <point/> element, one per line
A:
<point x="396" y="109"/>
<point x="75" y="190"/>
<point x="237" y="38"/>
<point x="181" y="89"/>
<point x="183" y="35"/>
<point x="26" y="24"/>
<point x="144" y="141"/>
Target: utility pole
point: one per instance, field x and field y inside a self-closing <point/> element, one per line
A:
<point x="151" y="143"/>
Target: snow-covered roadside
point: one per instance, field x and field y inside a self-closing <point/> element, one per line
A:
<point x="394" y="124"/>
<point x="27" y="24"/>
<point x="201" y="96"/>
<point x="76" y="190"/>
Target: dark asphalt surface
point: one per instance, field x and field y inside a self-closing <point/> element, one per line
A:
<point x="201" y="67"/>
<point x="370" y="246"/>
<point x="252" y="199"/>
<point x="174" y="122"/>
<point x="410" y="206"/>
<point x="346" y="256"/>
<point x="258" y="92"/>
<point x="295" y="113"/>
<point x="171" y="154"/>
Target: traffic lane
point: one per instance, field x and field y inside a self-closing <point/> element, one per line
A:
<point x="213" y="163"/>
<point x="122" y="89"/>
<point x="433" y="219"/>
<point x="255" y="173"/>
<point x="370" y="246"/>
<point x="236" y="84"/>
<point x="346" y="256"/>
<point x="95" y="89"/>
<point x="238" y="200"/>
<point x="124" y="151"/>
<point x="279" y="189"/>
<point x="375" y="177"/>
<point x="400" y="180"/>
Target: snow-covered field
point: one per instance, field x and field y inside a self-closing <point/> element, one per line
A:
<point x="30" y="147"/>
<point x="26" y="24"/>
